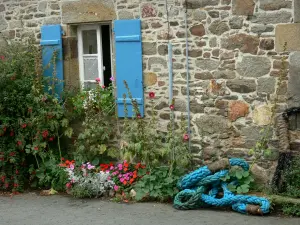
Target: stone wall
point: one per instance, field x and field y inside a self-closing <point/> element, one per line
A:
<point x="234" y="67"/>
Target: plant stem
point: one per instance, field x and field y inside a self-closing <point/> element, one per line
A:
<point x="58" y="143"/>
<point x="37" y="162"/>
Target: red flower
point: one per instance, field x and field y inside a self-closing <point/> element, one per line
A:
<point x="139" y="116"/>
<point x="124" y="182"/>
<point x="17" y="172"/>
<point x="36" y="148"/>
<point x="12" y="154"/>
<point x="186" y="137"/>
<point x="4" y="129"/>
<point x="2" y="57"/>
<point x="16" y="185"/>
<point x="103" y="86"/>
<point x="19" y="143"/>
<point x="45" y="133"/>
<point x="151" y="94"/>
<point x="97" y="80"/>
<point x="24" y="125"/>
<point x="12" y="133"/>
<point x="172" y="107"/>
<point x="51" y="138"/>
<point x="68" y="185"/>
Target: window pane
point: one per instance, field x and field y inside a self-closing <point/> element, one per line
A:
<point x="89" y="39"/>
<point x="90" y="64"/>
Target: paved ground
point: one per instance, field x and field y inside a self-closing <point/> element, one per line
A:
<point x="30" y="209"/>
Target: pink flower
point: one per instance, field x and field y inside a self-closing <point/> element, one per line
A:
<point x="108" y="178"/>
<point x="72" y="181"/>
<point x="120" y="176"/>
<point x="112" y="78"/>
<point x="72" y="167"/>
<point x="116" y="188"/>
<point x="68" y="185"/>
<point x="111" y="168"/>
<point x="122" y="180"/>
<point x="172" y="107"/>
<point x="127" y="178"/>
<point x="97" y="80"/>
<point x="89" y="166"/>
<point x="186" y="137"/>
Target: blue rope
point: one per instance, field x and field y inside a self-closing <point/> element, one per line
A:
<point x="200" y="189"/>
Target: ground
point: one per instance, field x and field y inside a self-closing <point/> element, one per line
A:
<point x="31" y="209"/>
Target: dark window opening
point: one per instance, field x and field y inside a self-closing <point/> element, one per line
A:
<point x="106" y="54"/>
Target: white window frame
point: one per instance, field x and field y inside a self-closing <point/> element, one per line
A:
<point x="96" y="27"/>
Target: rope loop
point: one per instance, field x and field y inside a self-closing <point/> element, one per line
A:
<point x="200" y="189"/>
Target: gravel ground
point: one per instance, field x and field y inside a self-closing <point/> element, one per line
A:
<point x="31" y="209"/>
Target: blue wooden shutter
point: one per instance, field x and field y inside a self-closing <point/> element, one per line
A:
<point x="129" y="65"/>
<point x="51" y="41"/>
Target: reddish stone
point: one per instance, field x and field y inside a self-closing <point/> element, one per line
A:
<point x="148" y="11"/>
<point x="215" y="87"/>
<point x="198" y="30"/>
<point x="238" y="109"/>
<point x="245" y="43"/>
<point x="243" y="7"/>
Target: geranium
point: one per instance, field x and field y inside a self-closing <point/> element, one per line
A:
<point x="112" y="78"/>
<point x="172" y="107"/>
<point x="151" y="94"/>
<point x="24" y="125"/>
<point x="186" y="137"/>
<point x="45" y="133"/>
<point x="97" y="80"/>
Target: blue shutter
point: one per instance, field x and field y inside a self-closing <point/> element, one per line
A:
<point x="51" y="41"/>
<point x="129" y="65"/>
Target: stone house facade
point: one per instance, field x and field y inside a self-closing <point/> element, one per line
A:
<point x="234" y="58"/>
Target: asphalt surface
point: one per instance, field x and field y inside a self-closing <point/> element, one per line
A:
<point x="31" y="209"/>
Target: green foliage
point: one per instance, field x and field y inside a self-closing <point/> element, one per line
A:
<point x="98" y="126"/>
<point x="291" y="209"/>
<point x="239" y="180"/>
<point x="158" y="184"/>
<point x="32" y="120"/>
<point x="292" y="179"/>
<point x="80" y="192"/>
<point x="49" y="175"/>
<point x="142" y="141"/>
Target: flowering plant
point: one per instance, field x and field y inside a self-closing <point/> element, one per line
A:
<point x="32" y="119"/>
<point x="98" y="105"/>
<point x="87" y="181"/>
<point x="124" y="175"/>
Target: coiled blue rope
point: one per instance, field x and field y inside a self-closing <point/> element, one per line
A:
<point x="200" y="189"/>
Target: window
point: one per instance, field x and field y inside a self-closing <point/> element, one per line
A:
<point x="94" y="46"/>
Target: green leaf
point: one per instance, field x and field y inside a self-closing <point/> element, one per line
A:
<point x="231" y="187"/>
<point x="95" y="161"/>
<point x="246" y="174"/>
<point x="239" y="174"/>
<point x="64" y="123"/>
<point x="68" y="132"/>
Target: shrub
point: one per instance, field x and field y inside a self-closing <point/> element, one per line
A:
<point x="32" y="119"/>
